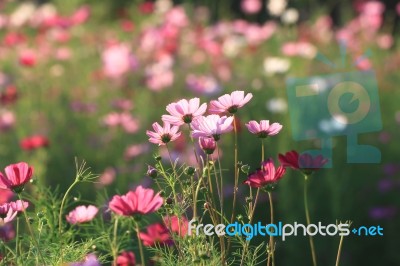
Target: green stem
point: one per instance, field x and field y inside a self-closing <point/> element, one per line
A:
<point x="62" y="206"/>
<point x="17" y="238"/>
<point x="140" y="244"/>
<point x="31" y="232"/>
<point x="114" y="246"/>
<point x="271" y="238"/>
<point x="313" y="254"/>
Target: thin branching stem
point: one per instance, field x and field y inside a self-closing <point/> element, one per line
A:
<point x="313" y="254"/>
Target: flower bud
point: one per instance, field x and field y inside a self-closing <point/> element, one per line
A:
<point x="157" y="157"/>
<point x="245" y="169"/>
<point x="151" y="171"/>
<point x="190" y="170"/>
<point x="208" y="145"/>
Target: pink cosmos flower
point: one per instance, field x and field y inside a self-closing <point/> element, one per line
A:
<point x="7" y="214"/>
<point x="208" y="145"/>
<point x="184" y="111"/>
<point x="163" y="135"/>
<point x="263" y="129"/>
<point x="82" y="214"/>
<point x="230" y="103"/>
<point x="178" y="226"/>
<point x="126" y="259"/>
<point x="251" y="6"/>
<point x="90" y="260"/>
<point x="7" y="120"/>
<point x="156" y="234"/>
<point x="267" y="175"/>
<point x="17" y="175"/>
<point x="27" y="58"/>
<point x="140" y="201"/>
<point x="19" y="205"/>
<point x="116" y="60"/>
<point x="212" y="126"/>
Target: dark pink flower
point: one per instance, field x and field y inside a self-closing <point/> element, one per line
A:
<point x="163" y="135"/>
<point x="82" y="214"/>
<point x="212" y="126"/>
<point x="263" y="129"/>
<point x="184" y="111"/>
<point x="17" y="175"/>
<point x="251" y="6"/>
<point x="126" y="258"/>
<point x="229" y="103"/>
<point x="156" y="234"/>
<point x="208" y="145"/>
<point x="5" y="195"/>
<point x="34" y="142"/>
<point x="140" y="201"/>
<point x="304" y="162"/>
<point x="267" y="175"/>
<point x="7" y="214"/>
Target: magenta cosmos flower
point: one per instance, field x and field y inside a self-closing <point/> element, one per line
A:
<point x="163" y="135"/>
<point x="184" y="112"/>
<point x="17" y="175"/>
<point x="263" y="129"/>
<point x="82" y="214"/>
<point x="229" y="103"/>
<point x="7" y="214"/>
<point x="126" y="258"/>
<point x="305" y="162"/>
<point x="156" y="234"/>
<point x="140" y="201"/>
<point x="267" y="176"/>
<point x="211" y="126"/>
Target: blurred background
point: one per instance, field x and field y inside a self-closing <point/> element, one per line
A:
<point x="87" y="78"/>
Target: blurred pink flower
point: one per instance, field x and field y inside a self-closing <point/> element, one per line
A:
<point x="19" y="205"/>
<point x="140" y="201"/>
<point x="135" y="150"/>
<point x="363" y="63"/>
<point x="7" y="214"/>
<point x="126" y="258"/>
<point x="158" y="79"/>
<point x="184" y="111"/>
<point x="371" y="15"/>
<point x="268" y="175"/>
<point x="251" y="6"/>
<point x="63" y="53"/>
<point x="212" y="126"/>
<point x="163" y="135"/>
<point x="5" y="195"/>
<point x="7" y="120"/>
<point x="176" y="225"/>
<point x="176" y="17"/>
<point x="384" y="41"/>
<point x="263" y="129"/>
<point x="398" y="9"/>
<point x="81" y="15"/>
<point x="156" y="234"/>
<point x="107" y="177"/>
<point x="82" y="214"/>
<point x="27" y="58"/>
<point x="17" y="175"/>
<point x="116" y="60"/>
<point x="205" y="85"/>
<point x="229" y="103"/>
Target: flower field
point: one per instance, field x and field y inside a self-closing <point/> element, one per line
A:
<point x="198" y="132"/>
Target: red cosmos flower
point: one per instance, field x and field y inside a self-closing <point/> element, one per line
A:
<point x="34" y="142"/>
<point x="304" y="162"/>
<point x="146" y="7"/>
<point x="17" y="175"/>
<point x="140" y="201"/>
<point x="265" y="176"/>
<point x="175" y="224"/>
<point x="156" y="234"/>
<point x="126" y="259"/>
<point x="27" y="58"/>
